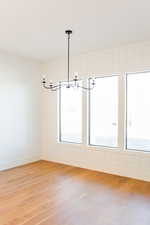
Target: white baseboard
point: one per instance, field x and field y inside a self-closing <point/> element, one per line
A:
<point x="114" y="171"/>
<point x="19" y="162"/>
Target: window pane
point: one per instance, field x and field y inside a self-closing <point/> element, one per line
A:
<point x="138" y="111"/>
<point x="104" y="112"/>
<point x="71" y="115"/>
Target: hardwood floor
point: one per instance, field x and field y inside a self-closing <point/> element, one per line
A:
<point x="45" y="193"/>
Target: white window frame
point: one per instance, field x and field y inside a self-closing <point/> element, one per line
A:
<point x="59" y="120"/>
<point x="126" y="111"/>
<point x="89" y="115"/>
<point x="86" y="123"/>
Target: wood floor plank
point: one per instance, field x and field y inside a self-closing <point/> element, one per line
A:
<point x="46" y="193"/>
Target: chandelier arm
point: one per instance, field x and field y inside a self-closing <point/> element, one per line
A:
<point x="71" y="85"/>
<point x="46" y="87"/>
<point x="51" y="87"/>
<point x="55" y="89"/>
<point x="57" y="86"/>
<point x="86" y="88"/>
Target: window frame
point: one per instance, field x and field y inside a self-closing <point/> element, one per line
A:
<point x="89" y="115"/>
<point x="126" y="111"/>
<point x="59" y="118"/>
<point x="86" y="115"/>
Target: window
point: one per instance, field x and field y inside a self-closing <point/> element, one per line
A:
<point x="103" y="109"/>
<point x="138" y="111"/>
<point x="103" y="112"/>
<point x="70" y="114"/>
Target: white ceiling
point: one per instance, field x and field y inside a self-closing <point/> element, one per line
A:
<point x="35" y="28"/>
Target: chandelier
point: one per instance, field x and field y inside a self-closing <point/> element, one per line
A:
<point x="69" y="83"/>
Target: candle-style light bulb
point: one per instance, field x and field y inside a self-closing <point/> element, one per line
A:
<point x="44" y="80"/>
<point x="93" y="82"/>
<point x="75" y="76"/>
<point x="51" y="84"/>
<point x="75" y="80"/>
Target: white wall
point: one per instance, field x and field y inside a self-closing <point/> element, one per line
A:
<point x="19" y="111"/>
<point x="132" y="57"/>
